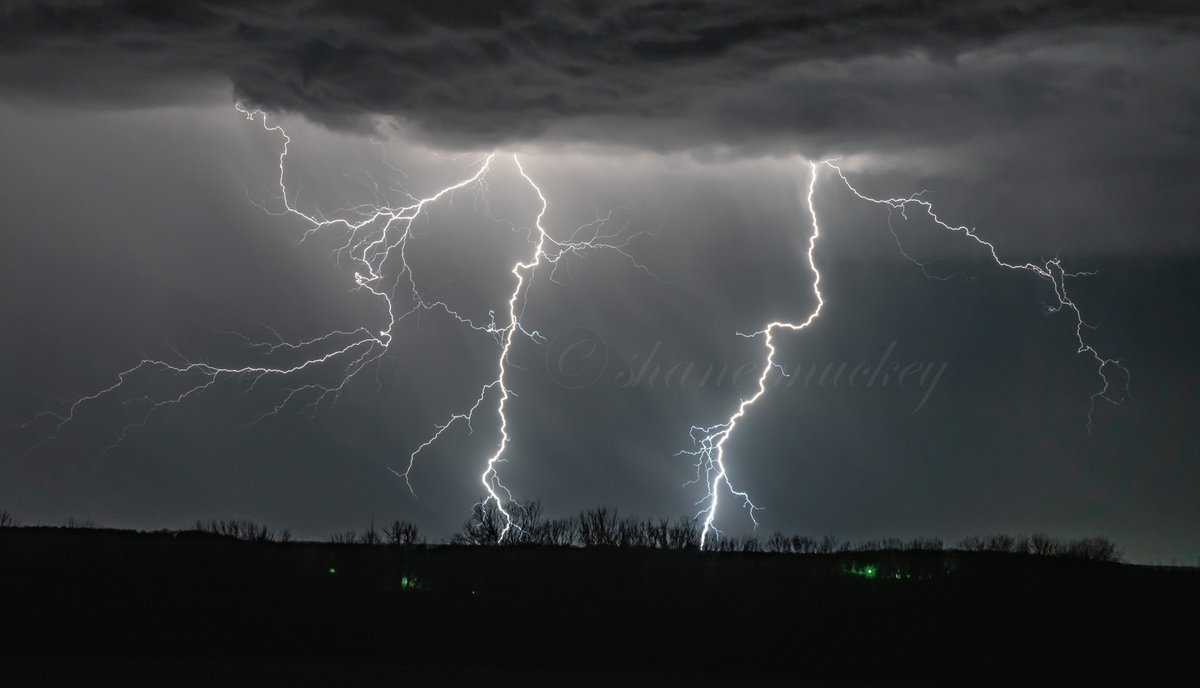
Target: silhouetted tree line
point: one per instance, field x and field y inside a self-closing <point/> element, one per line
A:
<point x="241" y="529"/>
<point x="598" y="527"/>
<point x="1090" y="548"/>
<point x="604" y="527"/>
<point x="7" y="520"/>
<point x="398" y="532"/>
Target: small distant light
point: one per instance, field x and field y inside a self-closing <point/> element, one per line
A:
<point x="332" y="570"/>
<point x="404" y="582"/>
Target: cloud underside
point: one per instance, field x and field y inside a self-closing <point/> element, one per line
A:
<point x="837" y="76"/>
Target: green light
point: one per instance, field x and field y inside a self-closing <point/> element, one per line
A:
<point x="404" y="582"/>
<point x="332" y="570"/>
<point x="869" y="571"/>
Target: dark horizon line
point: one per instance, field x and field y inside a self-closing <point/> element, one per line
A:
<point x="601" y="527"/>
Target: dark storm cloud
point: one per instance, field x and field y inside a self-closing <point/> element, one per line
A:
<point x="852" y="75"/>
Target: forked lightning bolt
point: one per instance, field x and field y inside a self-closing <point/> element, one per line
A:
<point x="375" y="236"/>
<point x="710" y="441"/>
<point x="546" y="250"/>
<point x="1050" y="270"/>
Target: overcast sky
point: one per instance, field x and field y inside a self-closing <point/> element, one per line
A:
<point x="134" y="227"/>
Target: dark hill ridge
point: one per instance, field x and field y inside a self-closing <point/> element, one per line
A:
<point x="102" y="596"/>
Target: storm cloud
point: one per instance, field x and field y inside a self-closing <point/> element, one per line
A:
<point x="828" y="77"/>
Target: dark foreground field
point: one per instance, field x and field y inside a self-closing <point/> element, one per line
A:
<point x="113" y="607"/>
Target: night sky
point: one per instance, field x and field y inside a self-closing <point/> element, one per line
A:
<point x="137" y="221"/>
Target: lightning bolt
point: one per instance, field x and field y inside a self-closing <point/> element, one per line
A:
<point x="1050" y="270"/>
<point x="709" y="441"/>
<point x="376" y="235"/>
<point x="546" y="251"/>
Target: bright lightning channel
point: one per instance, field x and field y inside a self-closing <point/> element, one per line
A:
<point x="709" y="441"/>
<point x="374" y="235"/>
<point x="546" y="251"/>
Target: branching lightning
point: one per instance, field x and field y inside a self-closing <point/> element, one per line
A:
<point x="546" y="251"/>
<point x="1050" y="270"/>
<point x="709" y="441"/>
<point x="376" y="235"/>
